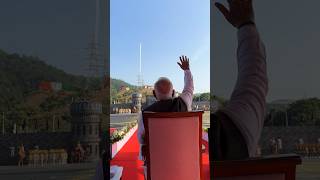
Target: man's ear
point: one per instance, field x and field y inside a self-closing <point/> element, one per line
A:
<point x="154" y="93"/>
<point x="173" y="93"/>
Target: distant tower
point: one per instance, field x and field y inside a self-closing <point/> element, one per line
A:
<point x="150" y="100"/>
<point x="86" y="126"/>
<point x="94" y="65"/>
<point x="136" y="101"/>
<point x="105" y="38"/>
<point x="140" y="78"/>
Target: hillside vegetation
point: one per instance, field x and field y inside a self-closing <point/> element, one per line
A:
<point x="20" y="76"/>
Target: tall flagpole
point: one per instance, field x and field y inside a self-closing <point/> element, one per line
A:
<point x="105" y="35"/>
<point x="140" y="79"/>
<point x="140" y="60"/>
<point x="97" y="21"/>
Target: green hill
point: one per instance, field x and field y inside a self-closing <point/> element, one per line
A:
<point x="115" y="86"/>
<point x="20" y="76"/>
<point x="117" y="83"/>
<point x="24" y="104"/>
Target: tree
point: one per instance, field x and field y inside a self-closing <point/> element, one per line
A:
<point x="205" y="97"/>
<point x="18" y="115"/>
<point x="304" y="112"/>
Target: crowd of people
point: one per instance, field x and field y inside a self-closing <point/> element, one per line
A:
<point x="37" y="157"/>
<point x="308" y="150"/>
<point x="47" y="157"/>
<point x="122" y="110"/>
<point x="276" y="145"/>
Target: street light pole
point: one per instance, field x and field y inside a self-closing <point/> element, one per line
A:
<point x="53" y="118"/>
<point x="3" y="129"/>
<point x="287" y="122"/>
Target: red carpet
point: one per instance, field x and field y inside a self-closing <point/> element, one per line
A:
<point x="132" y="167"/>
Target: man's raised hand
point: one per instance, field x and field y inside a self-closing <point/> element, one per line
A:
<point x="240" y="12"/>
<point x="184" y="63"/>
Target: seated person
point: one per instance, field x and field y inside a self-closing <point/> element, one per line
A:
<point x="166" y="102"/>
<point x="236" y="128"/>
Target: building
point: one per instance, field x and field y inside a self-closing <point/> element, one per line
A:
<point x="50" y="86"/>
<point x="147" y="87"/>
<point x="150" y="100"/>
<point x="124" y="88"/>
<point x="136" y="102"/>
<point x="86" y="127"/>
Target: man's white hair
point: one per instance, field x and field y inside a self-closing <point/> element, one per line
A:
<point x="160" y="95"/>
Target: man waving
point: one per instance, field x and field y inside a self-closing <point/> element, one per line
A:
<point x="236" y="129"/>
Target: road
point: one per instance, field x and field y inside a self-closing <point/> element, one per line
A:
<point x="82" y="171"/>
<point x="120" y="120"/>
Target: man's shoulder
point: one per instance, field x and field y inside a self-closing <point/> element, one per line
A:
<point x="148" y="108"/>
<point x="176" y="99"/>
<point x="179" y="99"/>
<point x="170" y="105"/>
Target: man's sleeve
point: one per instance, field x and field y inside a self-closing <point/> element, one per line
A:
<point x="225" y="139"/>
<point x="187" y="93"/>
<point x="140" y="132"/>
<point x="247" y="104"/>
<point x="140" y="135"/>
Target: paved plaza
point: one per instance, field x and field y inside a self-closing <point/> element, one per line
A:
<point x="309" y="169"/>
<point x="81" y="171"/>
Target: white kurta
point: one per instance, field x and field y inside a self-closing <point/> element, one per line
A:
<point x="247" y="104"/>
<point x="186" y="96"/>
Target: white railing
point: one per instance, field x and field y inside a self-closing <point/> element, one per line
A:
<point x="117" y="146"/>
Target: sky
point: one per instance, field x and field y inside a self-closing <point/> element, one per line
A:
<point x="290" y="30"/>
<point x="56" y="31"/>
<point x="166" y="29"/>
<point x="59" y="32"/>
